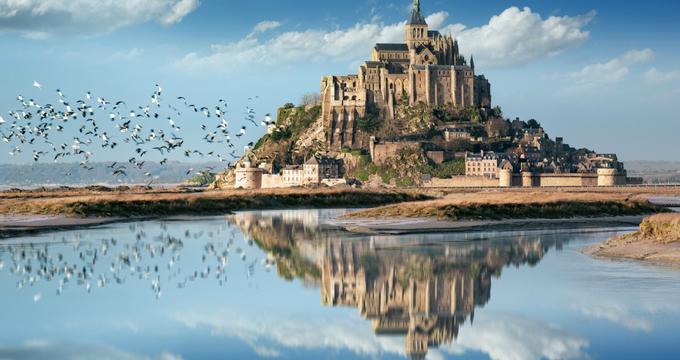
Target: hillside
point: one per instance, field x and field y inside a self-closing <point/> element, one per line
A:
<point x="299" y="134"/>
<point x="415" y="143"/>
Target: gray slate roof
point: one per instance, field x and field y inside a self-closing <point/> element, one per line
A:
<point x="391" y="47"/>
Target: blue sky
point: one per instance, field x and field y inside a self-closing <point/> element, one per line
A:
<point x="602" y="74"/>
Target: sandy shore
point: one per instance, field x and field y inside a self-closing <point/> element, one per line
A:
<point x="397" y="226"/>
<point x="650" y="252"/>
<point x="657" y="241"/>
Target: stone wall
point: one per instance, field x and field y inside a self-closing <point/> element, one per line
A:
<point x="526" y="180"/>
<point x="461" y="182"/>
<point x="270" y="181"/>
<point x="343" y="102"/>
<point x="566" y="180"/>
<point x="383" y="151"/>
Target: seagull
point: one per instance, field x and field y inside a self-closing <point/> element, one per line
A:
<point x="37" y="85"/>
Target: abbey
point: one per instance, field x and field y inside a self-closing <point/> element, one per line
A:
<point x="427" y="68"/>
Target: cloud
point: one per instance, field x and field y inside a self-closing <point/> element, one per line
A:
<point x="655" y="76"/>
<point x="130" y="55"/>
<point x="45" y="18"/>
<point x="312" y="333"/>
<point x="618" y="314"/>
<point x="179" y="11"/>
<point x="506" y="337"/>
<point x="514" y="37"/>
<point x="614" y="70"/>
<point x="502" y="337"/>
<point x="517" y="36"/>
<point x="265" y="26"/>
<point x="38" y="350"/>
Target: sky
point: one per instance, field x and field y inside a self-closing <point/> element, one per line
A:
<point x="602" y="74"/>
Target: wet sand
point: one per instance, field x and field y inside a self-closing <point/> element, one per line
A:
<point x="17" y="225"/>
<point x="650" y="252"/>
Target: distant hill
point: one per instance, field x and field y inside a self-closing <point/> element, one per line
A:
<point x="71" y="174"/>
<point x="655" y="172"/>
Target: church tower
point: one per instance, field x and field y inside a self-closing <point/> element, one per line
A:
<point x="416" y="28"/>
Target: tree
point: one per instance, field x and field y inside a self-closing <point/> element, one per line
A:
<point x="477" y="131"/>
<point x="533" y="124"/>
<point x="310" y="99"/>
<point x="202" y="179"/>
<point x="369" y="123"/>
<point x="474" y="115"/>
<point x="498" y="112"/>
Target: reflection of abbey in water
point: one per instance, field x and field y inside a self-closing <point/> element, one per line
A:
<point x="422" y="292"/>
<point x="426" y="299"/>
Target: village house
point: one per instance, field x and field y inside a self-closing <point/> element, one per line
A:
<point x="456" y="134"/>
<point x="483" y="164"/>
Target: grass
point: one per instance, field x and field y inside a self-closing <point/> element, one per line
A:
<point x="177" y="202"/>
<point x="661" y="229"/>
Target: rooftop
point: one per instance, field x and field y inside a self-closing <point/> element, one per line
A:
<point x="417" y="17"/>
<point x="391" y="47"/>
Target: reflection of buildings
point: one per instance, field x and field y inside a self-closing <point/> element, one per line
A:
<point x="422" y="291"/>
<point x="419" y="297"/>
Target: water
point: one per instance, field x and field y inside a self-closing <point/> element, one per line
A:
<point x="283" y="285"/>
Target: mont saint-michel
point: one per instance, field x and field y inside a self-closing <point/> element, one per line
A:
<point x="418" y="113"/>
<point x="353" y="180"/>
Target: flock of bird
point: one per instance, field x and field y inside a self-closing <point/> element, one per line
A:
<point x="97" y="124"/>
<point x="97" y="264"/>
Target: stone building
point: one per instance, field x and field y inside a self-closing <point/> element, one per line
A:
<point x="482" y="164"/>
<point x="313" y="172"/>
<point x="318" y="168"/>
<point x="456" y="134"/>
<point x="427" y="67"/>
<point x="293" y="175"/>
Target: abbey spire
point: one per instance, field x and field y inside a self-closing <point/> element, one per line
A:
<point x="416" y="27"/>
<point x="417" y="17"/>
